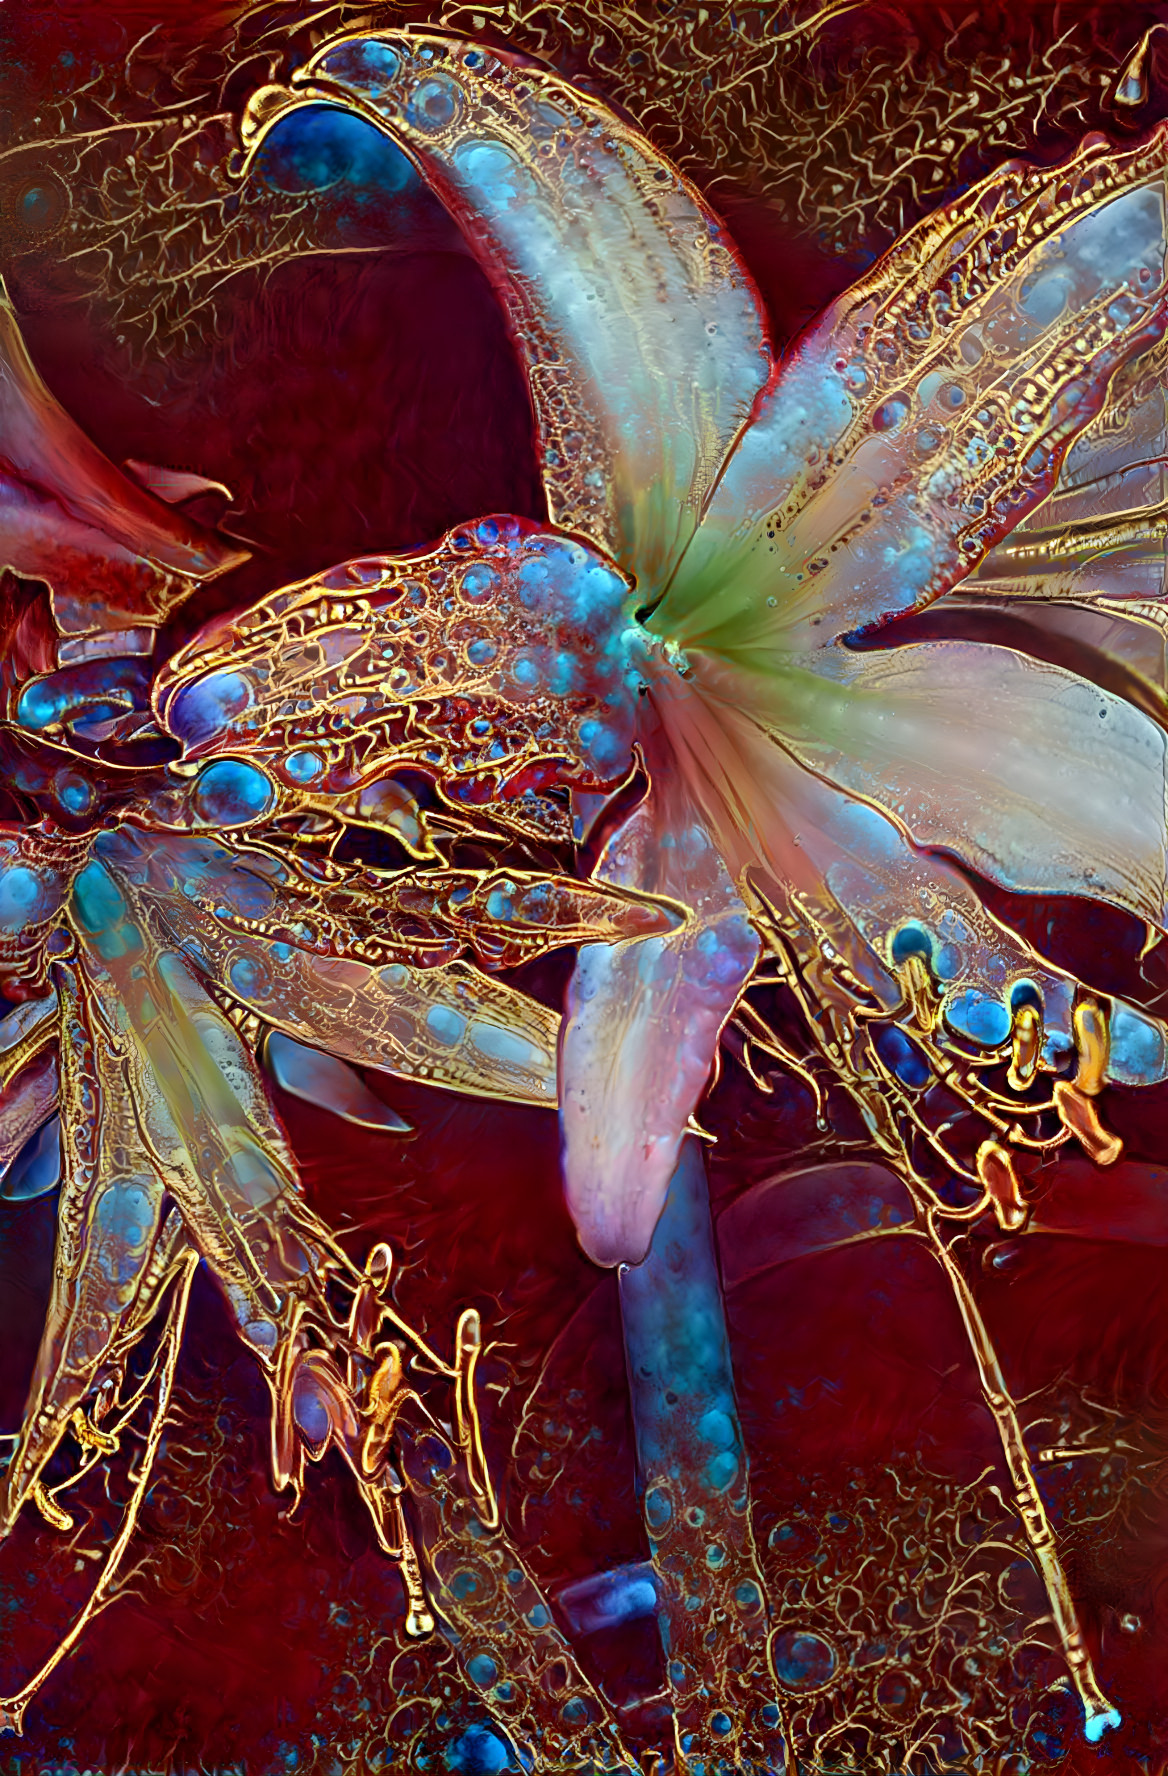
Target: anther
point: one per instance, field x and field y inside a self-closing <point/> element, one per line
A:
<point x="995" y="1168"/>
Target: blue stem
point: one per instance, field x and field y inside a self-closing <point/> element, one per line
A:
<point x="694" y="1478"/>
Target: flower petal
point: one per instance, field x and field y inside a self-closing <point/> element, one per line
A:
<point x="1027" y="773"/>
<point x="331" y="1085"/>
<point x="493" y="658"/>
<point x="930" y="408"/>
<point x="109" y="549"/>
<point x="202" y="1106"/>
<point x="642" y="1026"/>
<point x="26" y="1106"/>
<point x="448" y="1026"/>
<point x="783" y="828"/>
<point x="108" y="1227"/>
<point x="641" y="331"/>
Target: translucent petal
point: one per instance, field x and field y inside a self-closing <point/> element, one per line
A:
<point x="930" y="407"/>
<point x="496" y="658"/>
<point x="108" y="1221"/>
<point x="201" y="1102"/>
<point x="36" y="1170"/>
<point x="1028" y="774"/>
<point x="640" y="329"/>
<point x="450" y="1026"/>
<point x="788" y="830"/>
<point x="109" y="549"/>
<point x="815" y="1209"/>
<point x="642" y="1027"/>
<point x="26" y="1106"/>
<point x="330" y="1084"/>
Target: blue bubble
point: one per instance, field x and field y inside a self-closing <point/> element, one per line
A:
<point x="445" y="1025"/>
<point x="482" y="1671"/>
<point x="311" y="1413"/>
<point x="100" y="909"/>
<point x="37" y="1167"/>
<point x="902" y="1057"/>
<point x="1137" y="1047"/>
<point x="202" y="710"/>
<point x="75" y="793"/>
<point x="478" y="1752"/>
<point x="802" y="1660"/>
<point x="975" y="1015"/>
<point x="231" y="792"/>
<point x="25" y="898"/>
<point x="363" y="61"/>
<point x="318" y="147"/>
<point x="435" y="104"/>
<point x="304" y="767"/>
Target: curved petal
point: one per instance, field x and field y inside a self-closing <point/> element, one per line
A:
<point x="640" y="329"/>
<point x="1101" y="533"/>
<point x="27" y="1104"/>
<point x="111" y="552"/>
<point x="37" y="864"/>
<point x="330" y="1084"/>
<point x="491" y="659"/>
<point x="930" y="408"/>
<point x="1027" y="773"/>
<point x="1092" y="560"/>
<point x="643" y="1022"/>
<point x="449" y="1026"/>
<point x="777" y="821"/>
<point x="108" y="1226"/>
<point x="201" y="1104"/>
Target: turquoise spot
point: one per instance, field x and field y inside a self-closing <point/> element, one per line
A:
<point x="721" y="1471"/>
<point x="1094" y="1729"/>
<point x="248" y="978"/>
<point x="482" y="652"/>
<point x="101" y="910"/>
<point x="503" y="1046"/>
<point x="24" y="898"/>
<point x="718" y="1428"/>
<point x="231" y="792"/>
<point x="658" y="1508"/>
<point x="446" y="1026"/>
<point x="1137" y="1048"/>
<point x="482" y="1671"/>
<point x="983" y="1020"/>
<point x="73" y="792"/>
<point x="363" y="61"/>
<point x="435" y="104"/>
<point x="303" y="767"/>
<point x="501" y="903"/>
<point x="912" y="940"/>
<point x="478" y="1752"/>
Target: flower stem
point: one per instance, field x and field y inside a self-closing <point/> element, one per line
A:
<point x="1098" y="1711"/>
<point x="695" y="1487"/>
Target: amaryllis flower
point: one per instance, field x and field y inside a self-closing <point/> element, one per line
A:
<point x="161" y="930"/>
<point x="710" y="617"/>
